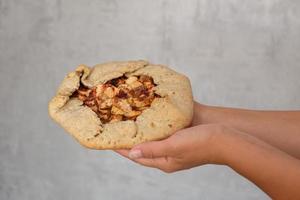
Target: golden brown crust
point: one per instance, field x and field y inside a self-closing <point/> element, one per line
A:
<point x="166" y="115"/>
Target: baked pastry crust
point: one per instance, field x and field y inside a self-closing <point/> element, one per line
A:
<point x="166" y="115"/>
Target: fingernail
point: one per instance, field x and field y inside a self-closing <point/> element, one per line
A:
<point x="134" y="154"/>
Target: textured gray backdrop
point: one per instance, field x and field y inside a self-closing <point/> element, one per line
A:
<point x="236" y="52"/>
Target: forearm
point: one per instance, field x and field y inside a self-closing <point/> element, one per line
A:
<point x="278" y="128"/>
<point x="274" y="171"/>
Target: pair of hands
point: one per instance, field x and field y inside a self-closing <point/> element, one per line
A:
<point x="185" y="149"/>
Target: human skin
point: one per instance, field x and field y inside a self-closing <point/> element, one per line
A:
<point x="278" y="128"/>
<point x="216" y="138"/>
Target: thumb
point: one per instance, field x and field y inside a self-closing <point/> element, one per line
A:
<point x="150" y="150"/>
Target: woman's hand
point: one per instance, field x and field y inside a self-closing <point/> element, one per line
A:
<point x="274" y="171"/>
<point x="185" y="149"/>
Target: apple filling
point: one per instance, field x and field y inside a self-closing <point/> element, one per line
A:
<point x="119" y="99"/>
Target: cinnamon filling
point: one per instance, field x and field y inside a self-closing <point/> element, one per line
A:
<point x="119" y="99"/>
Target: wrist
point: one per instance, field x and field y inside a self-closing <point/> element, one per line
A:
<point x="233" y="145"/>
<point x="200" y="113"/>
<point x="225" y="143"/>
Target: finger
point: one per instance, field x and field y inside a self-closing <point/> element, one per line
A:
<point x="150" y="150"/>
<point x="159" y="163"/>
<point x="123" y="152"/>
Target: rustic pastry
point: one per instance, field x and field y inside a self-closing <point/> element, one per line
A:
<point x="119" y="104"/>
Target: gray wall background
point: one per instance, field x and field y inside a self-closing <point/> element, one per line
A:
<point x="236" y="52"/>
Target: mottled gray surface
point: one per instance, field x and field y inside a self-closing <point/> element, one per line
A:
<point x="236" y="52"/>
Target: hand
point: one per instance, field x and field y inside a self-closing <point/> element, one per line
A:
<point x="183" y="150"/>
<point x="198" y="112"/>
